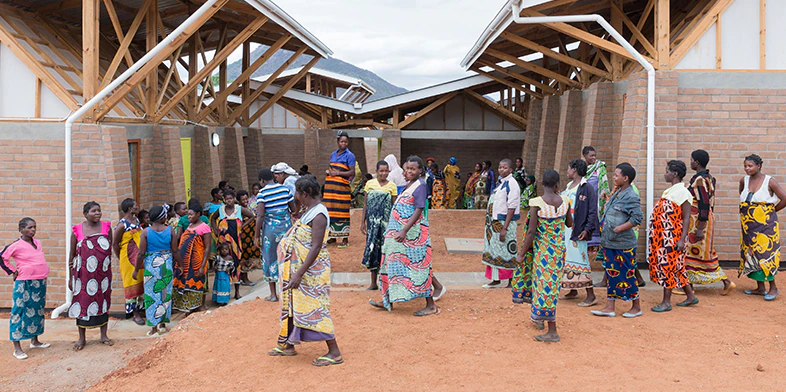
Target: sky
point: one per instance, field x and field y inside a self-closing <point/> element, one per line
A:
<point x="410" y="43"/>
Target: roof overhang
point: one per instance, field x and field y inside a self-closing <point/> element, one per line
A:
<point x="280" y="17"/>
<point x="347" y="81"/>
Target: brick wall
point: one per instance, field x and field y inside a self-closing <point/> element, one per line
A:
<point x="318" y="145"/>
<point x="391" y="144"/>
<point x="32" y="172"/>
<point x="254" y="150"/>
<point x="532" y="138"/>
<point x="466" y="152"/>
<point x="282" y="148"/>
<point x="549" y="130"/>
<point x="570" y="130"/>
<point x="233" y="158"/>
<point x="358" y="147"/>
<point x="205" y="164"/>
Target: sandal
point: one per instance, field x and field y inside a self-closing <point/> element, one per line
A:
<point x="771" y="297"/>
<point x="420" y="313"/>
<point x="42" y="345"/>
<point x="20" y="356"/>
<point x="108" y="342"/>
<point x="325" y="361"/>
<point x="754" y="292"/>
<point x="587" y="305"/>
<point x="376" y="304"/>
<point x="661" y="309"/>
<point x="78" y="347"/>
<point x="728" y="289"/>
<point x="688" y="303"/>
<point x="278" y="352"/>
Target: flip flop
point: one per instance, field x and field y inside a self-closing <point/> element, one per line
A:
<point x="587" y="305"/>
<point x="540" y="338"/>
<point x="78" y="347"/>
<point x="694" y="302"/>
<point x="108" y="342"/>
<point x="277" y="352"/>
<point x="601" y="313"/>
<point x="139" y="322"/>
<point x="632" y="315"/>
<point x="753" y="292"/>
<point x="20" y="356"/>
<point x="325" y="361"/>
<point x="771" y="297"/>
<point x="248" y="284"/>
<point x="729" y="288"/>
<point x="42" y="345"/>
<point x="376" y="304"/>
<point x="441" y="293"/>
<point x="493" y="286"/>
<point x="151" y="333"/>
<point x="659" y="309"/>
<point x="420" y="313"/>
<point x="343" y="246"/>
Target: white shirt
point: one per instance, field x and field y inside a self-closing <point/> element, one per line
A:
<point x="507" y="195"/>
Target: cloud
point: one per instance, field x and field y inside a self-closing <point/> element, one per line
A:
<point x="410" y="43"/>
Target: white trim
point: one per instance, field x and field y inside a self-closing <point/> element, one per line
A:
<point x="321" y="72"/>
<point x="464" y="135"/>
<point x="281" y="18"/>
<point x="278" y="131"/>
<point x="501" y="21"/>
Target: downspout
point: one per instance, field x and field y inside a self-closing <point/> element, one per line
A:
<point x="89" y="105"/>
<point x="517" y="18"/>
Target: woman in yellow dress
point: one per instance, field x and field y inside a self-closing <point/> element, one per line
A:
<point x="125" y="243"/>
<point x="453" y="181"/>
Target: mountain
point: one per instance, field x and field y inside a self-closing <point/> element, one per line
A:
<point x="383" y="87"/>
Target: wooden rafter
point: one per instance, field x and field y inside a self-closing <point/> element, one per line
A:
<point x="125" y="41"/>
<point x="255" y="95"/>
<point x="519" y="77"/>
<point x="634" y="29"/>
<point x="510" y="84"/>
<point x="502" y="56"/>
<point x="222" y="96"/>
<point x="428" y="109"/>
<point x="585" y="36"/>
<point x="698" y="30"/>
<point x="37" y="69"/>
<point x="154" y="62"/>
<point x="363" y="122"/>
<point x="91" y="12"/>
<point x="288" y="85"/>
<point x="502" y="111"/>
<point x="557" y="56"/>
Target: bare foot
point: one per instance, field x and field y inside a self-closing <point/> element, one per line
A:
<point x="572" y="294"/>
<point x="548" y="337"/>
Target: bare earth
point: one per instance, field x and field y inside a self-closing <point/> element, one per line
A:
<point x="444" y="223"/>
<point x="479" y="340"/>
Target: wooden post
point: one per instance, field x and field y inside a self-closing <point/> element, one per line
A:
<point x="662" y="34"/>
<point x="396" y="117"/>
<point x="151" y="40"/>
<point x="91" y="11"/>
<point x="617" y="61"/>
<point x="718" y="44"/>
<point x="247" y="84"/>
<point x="192" y="70"/>
<point x="308" y="83"/>
<point x="37" y="98"/>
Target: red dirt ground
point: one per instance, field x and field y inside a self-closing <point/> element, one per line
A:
<point x="444" y="223"/>
<point x="480" y="340"/>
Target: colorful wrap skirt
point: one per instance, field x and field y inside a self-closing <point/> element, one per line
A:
<point x="701" y="260"/>
<point x="499" y="256"/>
<point x="548" y="262"/>
<point x="577" y="273"/>
<point x="91" y="282"/>
<point x="158" y="287"/>
<point x="274" y="227"/>
<point x="222" y="288"/>
<point x="666" y="262"/>
<point x="190" y="277"/>
<point x="378" y="207"/>
<point x="620" y="267"/>
<point x="338" y="200"/>
<point x="760" y="243"/>
<point x="27" y="309"/>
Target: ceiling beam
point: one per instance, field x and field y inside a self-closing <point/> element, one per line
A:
<point x="555" y="55"/>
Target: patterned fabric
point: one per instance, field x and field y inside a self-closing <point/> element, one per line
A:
<point x="307" y="306"/>
<point x="274" y="226"/>
<point x="522" y="278"/>
<point x="621" y="274"/>
<point x="453" y="183"/>
<point x="229" y="232"/>
<point x="701" y="260"/>
<point x="499" y="254"/>
<point x="405" y="271"/>
<point x="577" y="273"/>
<point x="158" y="287"/>
<point x="598" y="178"/>
<point x="91" y="276"/>
<point x="221" y="288"/>
<point x="469" y="191"/>
<point x="129" y="249"/>
<point x="548" y="258"/>
<point x="378" y="206"/>
<point x="337" y="198"/>
<point x="666" y="262"/>
<point x="27" y="309"/>
<point x="438" y="193"/>
<point x="250" y="255"/>
<point x="527" y="193"/>
<point x="760" y="243"/>
<point x="190" y="276"/>
<point x="481" y="197"/>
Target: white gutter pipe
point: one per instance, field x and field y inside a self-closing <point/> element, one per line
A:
<point x="89" y="105"/>
<point x="517" y="18"/>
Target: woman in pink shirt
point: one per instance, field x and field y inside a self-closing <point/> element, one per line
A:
<point x="29" y="271"/>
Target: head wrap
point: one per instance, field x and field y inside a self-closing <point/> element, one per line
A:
<point x="158" y="213"/>
<point x="452" y="160"/>
<point x="282" y="167"/>
<point x="396" y="173"/>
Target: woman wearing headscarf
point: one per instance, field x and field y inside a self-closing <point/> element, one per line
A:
<point x="396" y="173"/>
<point x="469" y="187"/>
<point x="337" y="195"/>
<point x="157" y="245"/>
<point x="453" y="180"/>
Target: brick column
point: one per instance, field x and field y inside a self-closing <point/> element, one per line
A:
<point x="233" y="158"/>
<point x="603" y="121"/>
<point x="549" y="130"/>
<point x="391" y="144"/>
<point x="167" y="178"/>
<point x="318" y="144"/>
<point x="530" y="149"/>
<point x="254" y="151"/>
<point x="205" y="164"/>
<point x="118" y="169"/>
<point x="570" y="130"/>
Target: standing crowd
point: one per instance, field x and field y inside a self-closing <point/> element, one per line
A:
<point x="284" y="226"/>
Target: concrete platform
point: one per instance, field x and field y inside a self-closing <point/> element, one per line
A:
<point x="470" y="246"/>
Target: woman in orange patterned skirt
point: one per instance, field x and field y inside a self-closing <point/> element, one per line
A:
<point x="336" y="196"/>
<point x="668" y="233"/>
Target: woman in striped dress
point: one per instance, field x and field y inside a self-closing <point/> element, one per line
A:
<point x="337" y="195"/>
